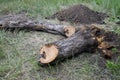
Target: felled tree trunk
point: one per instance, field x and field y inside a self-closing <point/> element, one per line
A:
<point x="86" y="38"/>
<point x="82" y="41"/>
<point x="89" y="39"/>
<point x="22" y="22"/>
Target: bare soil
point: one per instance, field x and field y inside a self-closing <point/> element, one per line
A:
<point x="79" y="14"/>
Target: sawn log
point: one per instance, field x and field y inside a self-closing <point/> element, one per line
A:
<point x="82" y="41"/>
<point x="22" y="22"/>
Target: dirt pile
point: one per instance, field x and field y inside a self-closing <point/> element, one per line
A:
<point x="79" y="14"/>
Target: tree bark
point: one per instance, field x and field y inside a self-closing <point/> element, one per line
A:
<point x="82" y="41"/>
<point x="22" y="22"/>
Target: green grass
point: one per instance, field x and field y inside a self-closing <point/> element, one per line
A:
<point x="19" y="50"/>
<point x="48" y="7"/>
<point x="114" y="68"/>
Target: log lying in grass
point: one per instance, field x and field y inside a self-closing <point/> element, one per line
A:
<point x="86" y="39"/>
<point x="82" y="41"/>
<point x="21" y="22"/>
<point x="89" y="39"/>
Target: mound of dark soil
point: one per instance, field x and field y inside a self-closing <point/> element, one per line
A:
<point x="79" y="14"/>
<point x="112" y="38"/>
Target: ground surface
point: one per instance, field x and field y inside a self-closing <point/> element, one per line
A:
<point x="79" y="14"/>
<point x="19" y="50"/>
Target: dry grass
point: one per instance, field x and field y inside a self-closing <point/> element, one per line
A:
<point x="19" y="50"/>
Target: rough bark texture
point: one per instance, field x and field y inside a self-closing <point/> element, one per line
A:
<point x="89" y="39"/>
<point x="22" y="22"/>
<point x="76" y="44"/>
<point x="82" y="41"/>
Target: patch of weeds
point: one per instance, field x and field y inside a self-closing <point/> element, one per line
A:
<point x="3" y="70"/>
<point x="2" y="55"/>
<point x="14" y="74"/>
<point x="116" y="29"/>
<point x="114" y="68"/>
<point x="51" y="79"/>
<point x="114" y="50"/>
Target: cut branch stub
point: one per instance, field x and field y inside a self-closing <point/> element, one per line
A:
<point x="69" y="30"/>
<point x="105" y="47"/>
<point x="48" y="53"/>
<point x="107" y="53"/>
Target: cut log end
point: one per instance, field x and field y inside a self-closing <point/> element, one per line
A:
<point x="69" y="31"/>
<point x="48" y="53"/>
